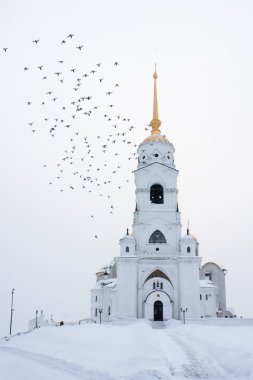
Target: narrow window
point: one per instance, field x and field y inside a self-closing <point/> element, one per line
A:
<point x="200" y="297"/>
<point x="157" y="237"/>
<point x="209" y="275"/>
<point x="153" y="285"/>
<point x="96" y="312"/>
<point x="109" y="310"/>
<point x="188" y="249"/>
<point x="127" y="249"/>
<point x="161" y="285"/>
<point x="157" y="284"/>
<point x="96" y="298"/>
<point x="156" y="194"/>
<point x="206" y="297"/>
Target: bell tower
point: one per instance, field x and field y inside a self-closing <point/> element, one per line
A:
<point x="157" y="271"/>
<point x="156" y="226"/>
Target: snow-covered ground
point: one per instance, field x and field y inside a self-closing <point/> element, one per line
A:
<point x="137" y="350"/>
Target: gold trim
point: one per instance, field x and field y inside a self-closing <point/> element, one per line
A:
<point x="156" y="137"/>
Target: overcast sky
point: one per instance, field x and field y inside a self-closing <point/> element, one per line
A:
<point x="204" y="56"/>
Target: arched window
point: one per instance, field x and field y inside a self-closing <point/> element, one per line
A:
<point x="127" y="249"/>
<point x="156" y="194"/>
<point x="157" y="237"/>
<point x="188" y="249"/>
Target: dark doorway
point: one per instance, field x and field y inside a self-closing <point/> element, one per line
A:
<point x="158" y="311"/>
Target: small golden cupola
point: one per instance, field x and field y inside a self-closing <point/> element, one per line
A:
<point x="155" y="122"/>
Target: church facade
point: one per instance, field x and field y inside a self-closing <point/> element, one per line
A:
<point x="158" y="274"/>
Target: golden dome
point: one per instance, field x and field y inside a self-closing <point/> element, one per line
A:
<point x="156" y="137"/>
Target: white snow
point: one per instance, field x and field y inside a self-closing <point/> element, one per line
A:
<point x="206" y="284"/>
<point x="109" y="283"/>
<point x="132" y="350"/>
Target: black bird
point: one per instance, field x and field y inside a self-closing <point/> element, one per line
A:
<point x="79" y="47"/>
<point x="40" y="67"/>
<point x="25" y="68"/>
<point x="35" y="41"/>
<point x="100" y="79"/>
<point x="60" y="61"/>
<point x="5" y="49"/>
<point x="70" y="36"/>
<point x="73" y="70"/>
<point x="116" y="63"/>
<point x="109" y="93"/>
<point x="63" y="42"/>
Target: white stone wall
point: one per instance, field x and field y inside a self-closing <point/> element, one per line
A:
<point x="127" y="287"/>
<point x="218" y="279"/>
<point x="189" y="286"/>
<point x="103" y="298"/>
<point x="208" y="301"/>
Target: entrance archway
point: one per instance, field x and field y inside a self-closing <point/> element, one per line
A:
<point x="158" y="311"/>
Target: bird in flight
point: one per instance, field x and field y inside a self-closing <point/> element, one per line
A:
<point x="25" y="68"/>
<point x="116" y="63"/>
<point x="35" y="41"/>
<point x="5" y="49"/>
<point x="70" y="36"/>
<point x="79" y="47"/>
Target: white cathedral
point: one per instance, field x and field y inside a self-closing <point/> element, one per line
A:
<point x="158" y="274"/>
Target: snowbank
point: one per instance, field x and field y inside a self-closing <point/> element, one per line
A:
<point x="129" y="351"/>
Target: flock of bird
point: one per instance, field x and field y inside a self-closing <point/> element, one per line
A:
<point x="92" y="156"/>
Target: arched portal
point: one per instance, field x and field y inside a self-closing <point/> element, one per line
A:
<point x="158" y="311"/>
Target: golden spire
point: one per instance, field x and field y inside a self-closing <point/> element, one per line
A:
<point x="155" y="123"/>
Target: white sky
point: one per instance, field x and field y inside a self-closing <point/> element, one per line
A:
<point x="204" y="55"/>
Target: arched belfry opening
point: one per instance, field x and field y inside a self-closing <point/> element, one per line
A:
<point x="157" y="237"/>
<point x="156" y="194"/>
